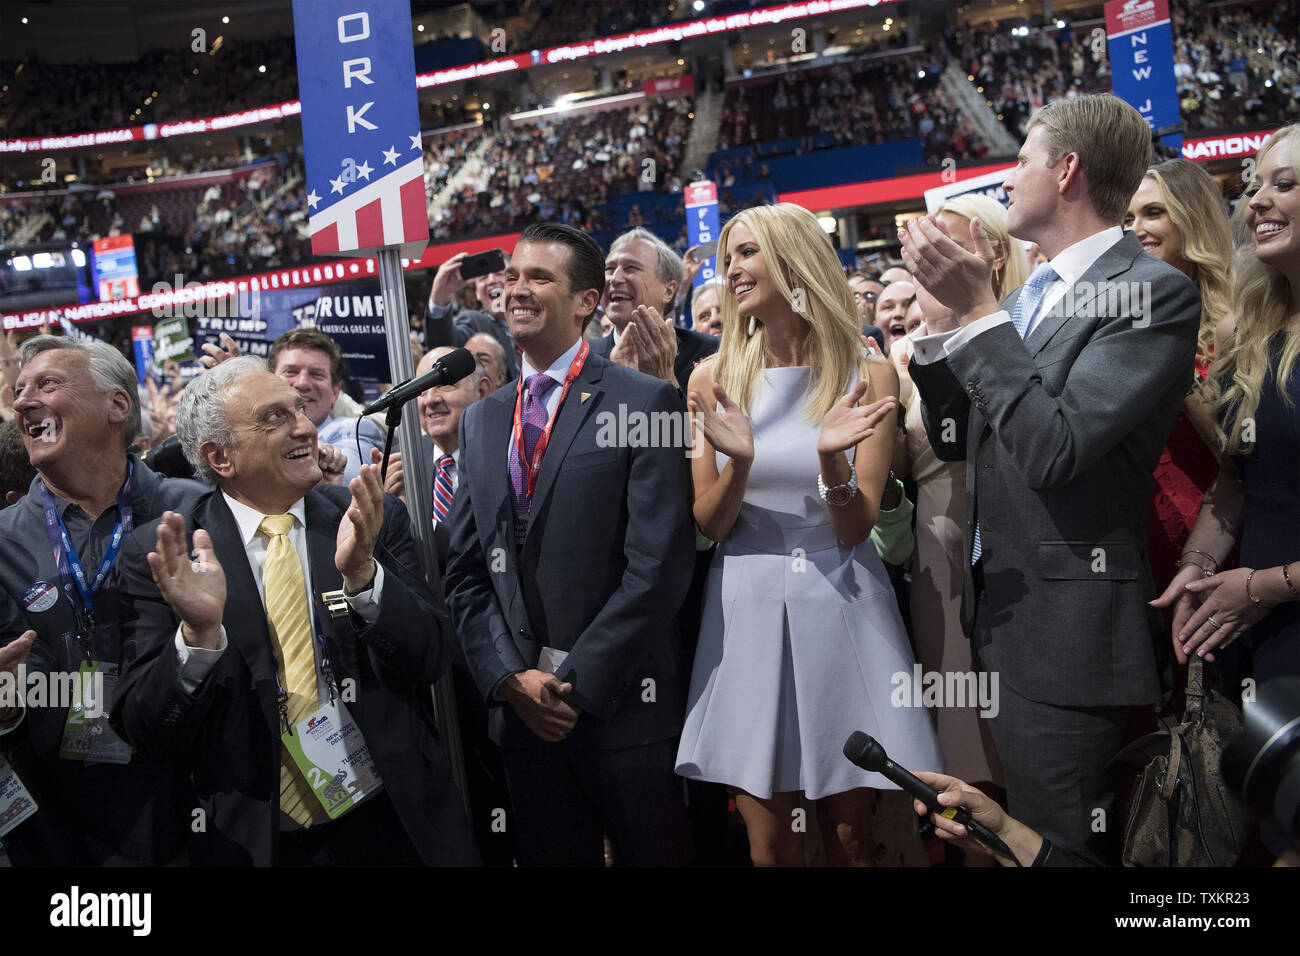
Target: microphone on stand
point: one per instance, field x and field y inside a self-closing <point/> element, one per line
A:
<point x="449" y="369"/>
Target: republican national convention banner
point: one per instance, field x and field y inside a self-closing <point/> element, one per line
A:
<point x="1140" y="41"/>
<point x="360" y="126"/>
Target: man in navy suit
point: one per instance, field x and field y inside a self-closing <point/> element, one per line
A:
<point x="566" y="569"/>
<point x="641" y="278"/>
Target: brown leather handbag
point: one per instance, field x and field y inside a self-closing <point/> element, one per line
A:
<point x="1181" y="812"/>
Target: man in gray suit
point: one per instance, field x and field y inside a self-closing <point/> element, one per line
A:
<point x="1060" y="402"/>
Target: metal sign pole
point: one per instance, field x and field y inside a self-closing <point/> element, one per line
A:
<point x="419" y="495"/>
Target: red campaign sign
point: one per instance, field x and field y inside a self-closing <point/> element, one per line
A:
<point x="670" y="84"/>
<point x="699" y="193"/>
<point x="1124" y="16"/>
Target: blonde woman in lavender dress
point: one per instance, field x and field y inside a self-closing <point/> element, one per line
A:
<point x="801" y="637"/>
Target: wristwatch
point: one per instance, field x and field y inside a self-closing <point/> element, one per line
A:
<point x="839" y="495"/>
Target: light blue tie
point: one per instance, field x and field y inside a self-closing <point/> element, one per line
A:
<point x="1028" y="303"/>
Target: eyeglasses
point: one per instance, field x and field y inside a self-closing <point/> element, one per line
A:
<point x="864" y="296"/>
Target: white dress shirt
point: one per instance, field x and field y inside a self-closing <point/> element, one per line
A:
<point x="197" y="662"/>
<point x="1070" y="264"/>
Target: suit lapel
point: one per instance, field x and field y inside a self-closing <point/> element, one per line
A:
<point x="568" y="422"/>
<point x="491" y="465"/>
<point x="245" y="616"/>
<point x="1079" y="298"/>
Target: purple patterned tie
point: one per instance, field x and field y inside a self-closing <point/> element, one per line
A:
<point x="534" y="423"/>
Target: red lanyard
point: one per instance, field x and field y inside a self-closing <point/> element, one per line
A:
<point x="531" y="468"/>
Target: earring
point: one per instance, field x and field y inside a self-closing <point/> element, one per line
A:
<point x="753" y="325"/>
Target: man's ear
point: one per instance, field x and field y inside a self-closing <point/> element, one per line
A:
<point x="1070" y="173"/>
<point x="484" y="387"/>
<point x="119" y="407"/>
<point x="218" y="458"/>
<point x="670" y="296"/>
<point x="13" y="497"/>
<point x="587" y="300"/>
<point x="337" y="387"/>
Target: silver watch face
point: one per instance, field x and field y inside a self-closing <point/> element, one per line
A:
<point x="839" y="496"/>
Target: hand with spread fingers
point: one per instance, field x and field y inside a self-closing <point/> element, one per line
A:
<point x="359" y="530"/>
<point x="954" y="278"/>
<point x="194" y="587"/>
<point x="728" y="431"/>
<point x="1226" y="610"/>
<point x="216" y="354"/>
<point x="848" y="423"/>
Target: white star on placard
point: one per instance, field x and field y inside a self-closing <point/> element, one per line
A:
<point x="312" y="199"/>
<point x="415" y="141"/>
<point x="336" y="185"/>
<point x="364" y="170"/>
<point x="390" y="156"/>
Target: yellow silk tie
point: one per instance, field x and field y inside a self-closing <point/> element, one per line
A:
<point x="289" y="617"/>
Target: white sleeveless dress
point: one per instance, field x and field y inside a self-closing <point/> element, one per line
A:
<point x="800" y="638"/>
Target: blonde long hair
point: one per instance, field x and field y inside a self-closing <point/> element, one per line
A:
<point x="794" y="245"/>
<point x="993" y="216"/>
<point x="1198" y="211"/>
<point x="1262" y="300"/>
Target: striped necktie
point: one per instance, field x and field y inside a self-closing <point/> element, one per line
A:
<point x="289" y="616"/>
<point x="443" y="488"/>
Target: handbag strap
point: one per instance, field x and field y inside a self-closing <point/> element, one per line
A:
<point x="1170" y="780"/>
<point x="1194" y="695"/>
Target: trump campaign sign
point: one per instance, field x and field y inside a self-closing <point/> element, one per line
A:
<point x="1140" y="41"/>
<point x="360" y="126"/>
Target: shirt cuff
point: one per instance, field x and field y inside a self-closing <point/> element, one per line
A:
<point x="366" y="603"/>
<point x="439" y="311"/>
<point x="931" y="348"/>
<point x="196" y="663"/>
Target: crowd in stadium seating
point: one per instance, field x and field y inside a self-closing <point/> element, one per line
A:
<point x="560" y="168"/>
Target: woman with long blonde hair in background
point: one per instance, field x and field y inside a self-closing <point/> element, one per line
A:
<point x="1251" y="610"/>
<point x="1180" y="216"/>
<point x="801" y="638"/>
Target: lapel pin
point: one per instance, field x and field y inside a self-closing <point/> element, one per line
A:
<point x="585" y="396"/>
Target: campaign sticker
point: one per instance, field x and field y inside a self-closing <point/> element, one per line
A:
<point x="41" y="596"/>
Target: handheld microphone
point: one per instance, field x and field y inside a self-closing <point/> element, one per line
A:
<point x="449" y="369"/>
<point x="865" y="752"/>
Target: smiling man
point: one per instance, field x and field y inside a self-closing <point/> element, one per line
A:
<point x="641" y="278"/>
<point x="305" y="607"/>
<point x="312" y="363"/>
<point x="563" y="581"/>
<point x="78" y="411"/>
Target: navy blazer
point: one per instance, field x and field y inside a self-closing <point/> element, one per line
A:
<point x="229" y="731"/>
<point x="604" y="567"/>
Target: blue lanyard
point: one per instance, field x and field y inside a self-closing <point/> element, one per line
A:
<point x="282" y="696"/>
<point x="65" y="555"/>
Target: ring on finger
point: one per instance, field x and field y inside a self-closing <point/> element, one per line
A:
<point x="1213" y="623"/>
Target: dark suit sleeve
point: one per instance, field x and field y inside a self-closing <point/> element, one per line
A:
<point x="152" y="712"/>
<point x="659" y="545"/>
<point x="1131" y="361"/>
<point x="945" y="408"/>
<point x="480" y="623"/>
<point x="410" y="637"/>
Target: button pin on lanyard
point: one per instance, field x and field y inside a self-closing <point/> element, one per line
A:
<point x="71" y="572"/>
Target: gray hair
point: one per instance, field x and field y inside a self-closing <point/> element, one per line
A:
<point x="669" y="265"/>
<point x="717" y="283"/>
<point x="201" y="415"/>
<point x="109" y="369"/>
